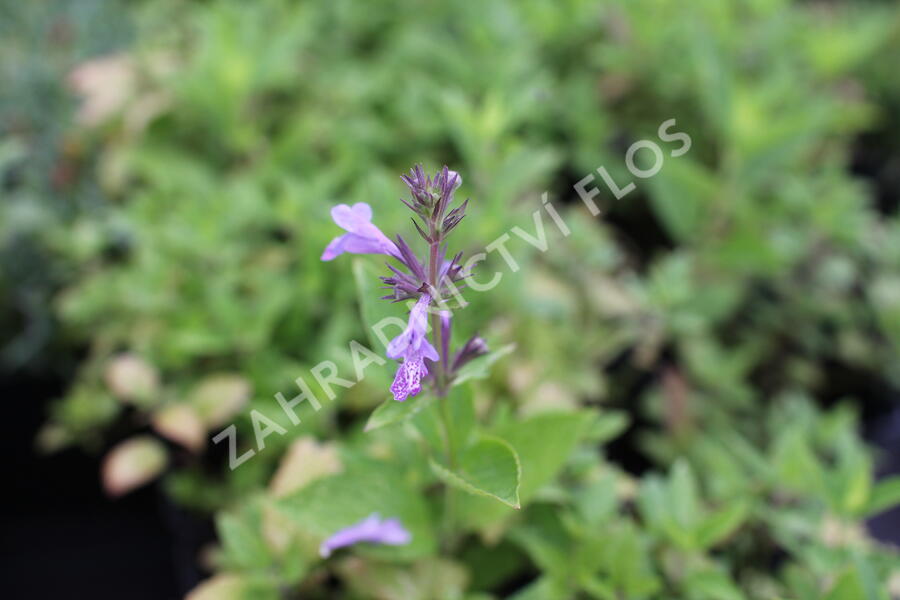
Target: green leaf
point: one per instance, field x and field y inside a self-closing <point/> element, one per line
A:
<point x="543" y="443"/>
<point x="683" y="494"/>
<point x="461" y="409"/>
<point x="711" y="585"/>
<point x="721" y="524"/>
<point x="544" y="537"/>
<point x="681" y="194"/>
<point x="857" y="488"/>
<point x="672" y="507"/>
<point x="796" y="465"/>
<point x="365" y="487"/>
<point x="479" y="368"/>
<point x="885" y="495"/>
<point x="231" y="586"/>
<point x="428" y="424"/>
<point x="608" y="426"/>
<point x="595" y="587"/>
<point x="242" y="539"/>
<point x="626" y="561"/>
<point x="390" y="411"/>
<point x="428" y="579"/>
<point x="490" y="467"/>
<point x="543" y="588"/>
<point x="596" y="502"/>
<point x="847" y="587"/>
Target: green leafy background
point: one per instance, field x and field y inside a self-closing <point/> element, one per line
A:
<point x="674" y="405"/>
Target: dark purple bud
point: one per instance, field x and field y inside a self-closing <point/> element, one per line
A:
<point x="450" y="223"/>
<point x="419" y="186"/>
<point x="403" y="284"/>
<point x="451" y="271"/>
<point x="408" y="258"/>
<point x="474" y="348"/>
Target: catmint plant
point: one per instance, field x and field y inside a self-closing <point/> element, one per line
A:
<point x="426" y="283"/>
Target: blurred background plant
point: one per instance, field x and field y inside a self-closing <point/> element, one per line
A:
<point x="692" y="369"/>
<point x="45" y="164"/>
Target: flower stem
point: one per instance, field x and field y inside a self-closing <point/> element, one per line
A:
<point x="441" y="381"/>
<point x="440" y="378"/>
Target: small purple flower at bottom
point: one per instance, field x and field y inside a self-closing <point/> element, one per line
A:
<point x="371" y="529"/>
<point x="413" y="347"/>
<point x="362" y="236"/>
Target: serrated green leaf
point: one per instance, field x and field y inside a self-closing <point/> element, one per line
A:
<point x="489" y="467"/>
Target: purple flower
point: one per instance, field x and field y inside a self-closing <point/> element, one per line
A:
<point x="362" y="236"/>
<point x="371" y="529"/>
<point x="430" y="278"/>
<point x="413" y="347"/>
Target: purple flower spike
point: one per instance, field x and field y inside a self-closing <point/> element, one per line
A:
<point x="362" y="236"/>
<point x="371" y="529"/>
<point x="429" y="278"/>
<point x="413" y="347"/>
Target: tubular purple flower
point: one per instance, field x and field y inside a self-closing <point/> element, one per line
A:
<point x="413" y="347"/>
<point x="362" y="236"/>
<point x="371" y="529"/>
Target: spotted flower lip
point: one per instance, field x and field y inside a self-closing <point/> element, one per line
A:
<point x="372" y="529"/>
<point x="408" y="379"/>
<point x="362" y="236"/>
<point x="413" y="347"/>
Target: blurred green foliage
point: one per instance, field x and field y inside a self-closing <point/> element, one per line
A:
<point x="702" y="322"/>
<point x="46" y="175"/>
